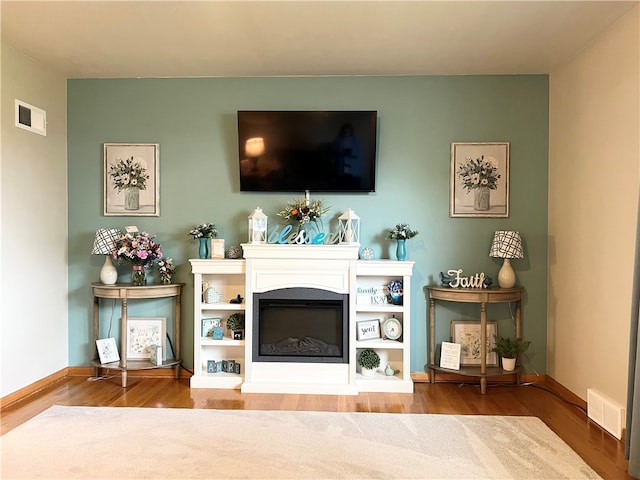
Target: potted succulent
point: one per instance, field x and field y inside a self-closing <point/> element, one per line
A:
<point x="235" y="323"/>
<point x="509" y="350"/>
<point x="369" y="361"/>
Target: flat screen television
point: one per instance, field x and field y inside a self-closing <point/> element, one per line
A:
<point x="319" y="151"/>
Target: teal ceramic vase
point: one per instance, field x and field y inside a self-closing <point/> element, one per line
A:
<point x="401" y="250"/>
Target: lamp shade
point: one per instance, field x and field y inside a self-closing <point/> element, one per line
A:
<point x="105" y="244"/>
<point x="506" y="244"/>
<point x="105" y="241"/>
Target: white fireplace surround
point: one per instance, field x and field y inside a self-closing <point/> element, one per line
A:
<point x="273" y="266"/>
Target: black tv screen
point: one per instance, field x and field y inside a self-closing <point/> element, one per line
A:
<point x="319" y="151"/>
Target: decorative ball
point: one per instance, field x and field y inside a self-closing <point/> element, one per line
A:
<point x="234" y="252"/>
<point x="366" y="254"/>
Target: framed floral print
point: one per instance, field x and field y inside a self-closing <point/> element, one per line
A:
<point x="479" y="180"/>
<point x="131" y="179"/>
<point x="467" y="334"/>
<point x="142" y="332"/>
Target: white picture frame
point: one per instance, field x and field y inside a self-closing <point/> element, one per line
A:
<point x="107" y="350"/>
<point x="142" y="332"/>
<point x="450" y="355"/>
<point x="467" y="334"/>
<point x="463" y="190"/>
<point x="368" y="329"/>
<point x="146" y="158"/>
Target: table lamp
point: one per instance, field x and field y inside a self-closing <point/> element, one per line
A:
<point x="105" y="244"/>
<point x="507" y="245"/>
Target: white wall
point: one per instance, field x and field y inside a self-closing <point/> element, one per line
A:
<point x="593" y="195"/>
<point x="33" y="222"/>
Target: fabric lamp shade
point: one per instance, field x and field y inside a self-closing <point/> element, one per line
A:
<point x="506" y="245"/>
<point x="105" y="244"/>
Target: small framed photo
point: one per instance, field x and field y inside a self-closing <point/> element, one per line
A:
<point x="132" y="179"/>
<point x="479" y="180"/>
<point x="467" y="334"/>
<point x="217" y="248"/>
<point x="208" y="324"/>
<point x="107" y="350"/>
<point x="143" y="332"/>
<point x="368" y="329"/>
<point x="450" y="355"/>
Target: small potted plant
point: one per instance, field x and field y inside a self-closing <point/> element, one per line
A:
<point x="369" y="361"/>
<point x="509" y="350"/>
<point x="235" y="323"/>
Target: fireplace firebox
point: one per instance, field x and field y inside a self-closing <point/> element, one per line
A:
<point x="303" y="325"/>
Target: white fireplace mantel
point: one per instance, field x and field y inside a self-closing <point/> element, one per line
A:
<point x="335" y="268"/>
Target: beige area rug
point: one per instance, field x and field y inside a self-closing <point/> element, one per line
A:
<point x="118" y="443"/>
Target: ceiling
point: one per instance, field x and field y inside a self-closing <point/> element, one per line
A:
<point x="115" y="39"/>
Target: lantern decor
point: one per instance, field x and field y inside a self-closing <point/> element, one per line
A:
<point x="349" y="224"/>
<point x="257" y="226"/>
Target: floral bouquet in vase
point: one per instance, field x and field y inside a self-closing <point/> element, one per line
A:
<point x="204" y="233"/>
<point x="401" y="232"/>
<point x="304" y="212"/>
<point x="166" y="268"/>
<point x="130" y="175"/>
<point x="140" y="250"/>
<point x="480" y="175"/>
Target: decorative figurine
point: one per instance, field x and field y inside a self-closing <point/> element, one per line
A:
<point x="238" y="299"/>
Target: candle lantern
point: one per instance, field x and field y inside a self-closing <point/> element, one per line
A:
<point x="349" y="224"/>
<point x="257" y="226"/>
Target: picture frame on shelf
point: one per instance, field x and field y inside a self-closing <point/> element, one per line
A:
<point x="107" y="350"/>
<point x="131" y="179"/>
<point x="450" y="355"/>
<point x="368" y="329"/>
<point x="143" y="332"/>
<point x="208" y="324"/>
<point x="479" y="179"/>
<point x="468" y="335"/>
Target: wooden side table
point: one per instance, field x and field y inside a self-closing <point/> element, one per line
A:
<point x="482" y="297"/>
<point x="125" y="293"/>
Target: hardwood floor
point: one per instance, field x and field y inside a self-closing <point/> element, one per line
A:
<point x="600" y="450"/>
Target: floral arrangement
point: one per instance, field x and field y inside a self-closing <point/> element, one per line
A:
<point x="303" y="211"/>
<point x="204" y="230"/>
<point x="481" y="172"/>
<point x="395" y="287"/>
<point x="137" y="248"/>
<point x="129" y="173"/>
<point x="401" y="231"/>
<point x="166" y="268"/>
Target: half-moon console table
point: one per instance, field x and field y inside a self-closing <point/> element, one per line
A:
<point x="482" y="297"/>
<point x="125" y="293"/>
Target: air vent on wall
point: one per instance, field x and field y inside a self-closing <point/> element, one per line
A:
<point x="31" y="118"/>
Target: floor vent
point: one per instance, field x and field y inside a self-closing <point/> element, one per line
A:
<point x="605" y="412"/>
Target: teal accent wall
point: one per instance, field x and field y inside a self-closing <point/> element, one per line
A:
<point x="194" y="121"/>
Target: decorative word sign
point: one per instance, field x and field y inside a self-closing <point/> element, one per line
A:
<point x="286" y="236"/>
<point x="454" y="279"/>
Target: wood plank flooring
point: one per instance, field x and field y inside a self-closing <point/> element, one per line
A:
<point x="601" y="451"/>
